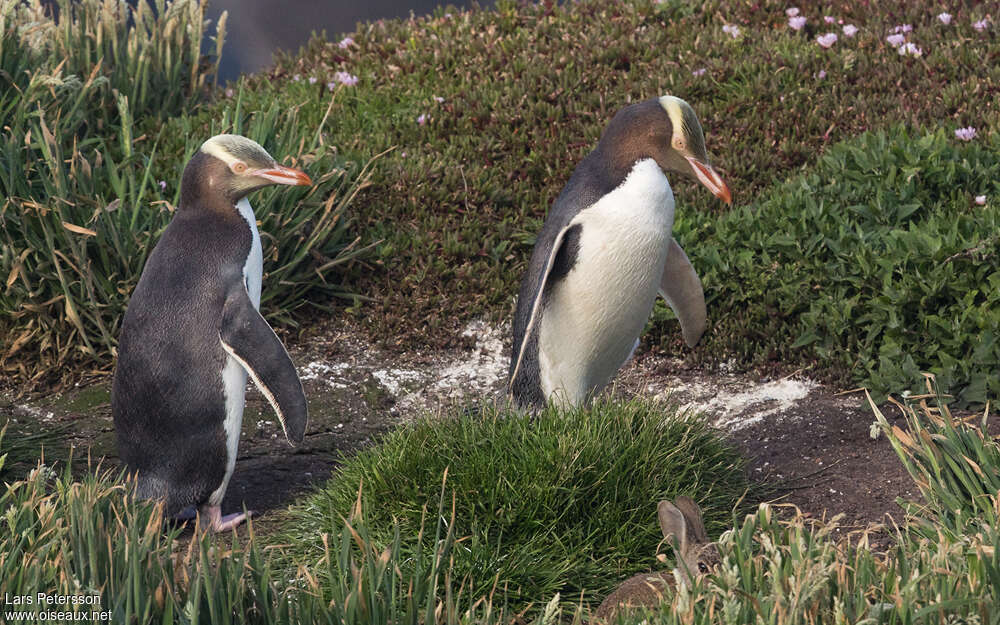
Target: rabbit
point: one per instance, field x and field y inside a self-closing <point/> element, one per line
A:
<point x="695" y="556"/>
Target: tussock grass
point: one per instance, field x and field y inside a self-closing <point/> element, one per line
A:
<point x="943" y="568"/>
<point x="797" y="572"/>
<point x="954" y="462"/>
<point x="562" y="502"/>
<point x="381" y="560"/>
<point x="103" y="108"/>
<point x="91" y="538"/>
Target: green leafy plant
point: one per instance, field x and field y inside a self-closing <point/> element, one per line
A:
<point x="876" y="264"/>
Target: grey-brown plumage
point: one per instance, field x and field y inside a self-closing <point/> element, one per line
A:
<point x="192" y="332"/>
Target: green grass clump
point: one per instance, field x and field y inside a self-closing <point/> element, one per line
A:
<point x="876" y="263"/>
<point x="955" y="464"/>
<point x="944" y="566"/>
<point x="561" y="502"/>
<point x="797" y="572"/>
<point x="102" y="110"/>
<point x="91" y="538"/>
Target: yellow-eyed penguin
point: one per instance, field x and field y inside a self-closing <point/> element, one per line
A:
<point x="192" y="333"/>
<point x="604" y="252"/>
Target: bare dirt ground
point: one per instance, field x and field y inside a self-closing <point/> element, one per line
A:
<point x="809" y="444"/>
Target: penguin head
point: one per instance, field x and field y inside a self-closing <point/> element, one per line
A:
<point x="666" y="130"/>
<point x="233" y="166"/>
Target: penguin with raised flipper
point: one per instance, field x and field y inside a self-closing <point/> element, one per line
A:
<point x="604" y="253"/>
<point x="192" y="333"/>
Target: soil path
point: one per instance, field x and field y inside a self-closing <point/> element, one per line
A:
<point x="803" y="438"/>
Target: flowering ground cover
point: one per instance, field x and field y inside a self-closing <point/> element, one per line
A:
<point x="486" y="114"/>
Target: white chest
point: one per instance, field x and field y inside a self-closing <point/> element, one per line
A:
<point x="253" y="270"/>
<point x="595" y="314"/>
<point x="234" y="376"/>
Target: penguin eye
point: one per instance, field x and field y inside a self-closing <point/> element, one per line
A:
<point x="239" y="167"/>
<point x="702" y="567"/>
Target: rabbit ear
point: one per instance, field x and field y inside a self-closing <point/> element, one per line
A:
<point x="672" y="523"/>
<point x="692" y="515"/>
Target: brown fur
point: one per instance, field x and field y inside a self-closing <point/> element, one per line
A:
<point x="696" y="556"/>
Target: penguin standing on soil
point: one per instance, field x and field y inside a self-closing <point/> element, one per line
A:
<point x="192" y="333"/>
<point x="603" y="254"/>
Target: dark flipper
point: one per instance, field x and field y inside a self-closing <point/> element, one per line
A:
<point x="250" y="340"/>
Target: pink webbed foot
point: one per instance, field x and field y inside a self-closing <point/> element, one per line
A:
<point x="212" y="518"/>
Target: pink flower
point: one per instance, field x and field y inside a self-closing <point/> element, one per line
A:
<point x="903" y="28"/>
<point x="966" y="134"/>
<point x="297" y="77"/>
<point x="850" y="30"/>
<point x="980" y="25"/>
<point x="896" y="40"/>
<point x="911" y="49"/>
<point x="981" y="200"/>
<point x="945" y="18"/>
<point x="792" y="12"/>
<point x="438" y="99"/>
<point x="821" y="74"/>
<point x="229" y="93"/>
<point x="346" y="42"/>
<point x="829" y="20"/>
<point x="312" y="80"/>
<point x="797" y="22"/>
<point x="827" y="40"/>
<point x="733" y="30"/>
<point x="163" y="185"/>
<point x="698" y="72"/>
<point x="422" y="119"/>
<point x="344" y="78"/>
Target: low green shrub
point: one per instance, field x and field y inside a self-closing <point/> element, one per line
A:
<point x="560" y="502"/>
<point x="876" y="264"/>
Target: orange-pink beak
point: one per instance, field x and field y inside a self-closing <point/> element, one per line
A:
<point x="280" y="174"/>
<point x="708" y="177"/>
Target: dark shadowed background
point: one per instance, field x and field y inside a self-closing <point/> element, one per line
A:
<point x="256" y="28"/>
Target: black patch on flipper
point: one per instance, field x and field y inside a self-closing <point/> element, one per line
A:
<point x="527" y="387"/>
<point x="253" y="341"/>
<point x="565" y="258"/>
